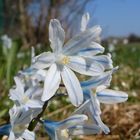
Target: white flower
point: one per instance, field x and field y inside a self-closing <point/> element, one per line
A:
<point x="94" y="48"/>
<point x="72" y="126"/>
<point x="20" y="117"/>
<point x="32" y="76"/>
<point x="91" y="106"/>
<point x="7" y="42"/>
<point x="30" y="97"/>
<point x="62" y="60"/>
<point x="26" y="135"/>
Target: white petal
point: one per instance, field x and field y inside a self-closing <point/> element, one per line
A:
<point x="11" y="136"/>
<point x="41" y="73"/>
<point x="34" y="92"/>
<point x="85" y="66"/>
<point x="73" y="86"/>
<point x="100" y="88"/>
<point x="84" y="130"/>
<point x="15" y="96"/>
<point x="19" y="85"/>
<point x="52" y="82"/>
<point x="56" y="35"/>
<point x="28" y="135"/>
<point x="94" y="82"/>
<point x="94" y="115"/>
<point x="111" y="96"/>
<point x="91" y="110"/>
<point x="72" y="121"/>
<point x="34" y="104"/>
<point x="84" y="107"/>
<point x="20" y="115"/>
<point x="81" y="41"/>
<point x="101" y="124"/>
<point x="104" y="60"/>
<point x="84" y="21"/>
<point x="95" y="104"/>
<point x="93" y="49"/>
<point x="44" y="60"/>
<point x="95" y="112"/>
<point x="17" y="93"/>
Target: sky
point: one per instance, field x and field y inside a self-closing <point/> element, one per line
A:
<point x="116" y="17"/>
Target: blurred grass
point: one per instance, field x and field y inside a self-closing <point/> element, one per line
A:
<point x="127" y="78"/>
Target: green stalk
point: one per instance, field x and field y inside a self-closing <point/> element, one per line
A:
<point x="34" y="122"/>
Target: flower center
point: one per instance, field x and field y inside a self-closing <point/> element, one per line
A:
<point x="94" y="91"/>
<point x="62" y="59"/>
<point x="25" y="99"/>
<point x="64" y="133"/>
<point x="65" y="60"/>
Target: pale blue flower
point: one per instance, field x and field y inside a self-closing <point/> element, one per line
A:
<point x="62" y="60"/>
<point x="64" y="129"/>
<point x="94" y="48"/>
<point x="27" y="97"/>
<point x="99" y="95"/>
<point x="92" y="104"/>
<point x="26" y="135"/>
<point x="32" y="76"/>
<point x="20" y="117"/>
<point x="94" y="82"/>
<point x="91" y="108"/>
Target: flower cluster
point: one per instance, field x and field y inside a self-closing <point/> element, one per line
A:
<point x="38" y="84"/>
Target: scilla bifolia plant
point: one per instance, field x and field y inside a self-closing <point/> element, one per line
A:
<point x="81" y="54"/>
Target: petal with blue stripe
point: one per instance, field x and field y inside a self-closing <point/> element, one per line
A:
<point x="56" y="35"/>
<point x="82" y="40"/>
<point x="51" y="83"/>
<point x="42" y="61"/>
<point x="72" y="85"/>
<point x="84" y="130"/>
<point x="103" y="79"/>
<point x="93" y="49"/>
<point x="85" y="21"/>
<point x="85" y="66"/>
<point x="109" y="96"/>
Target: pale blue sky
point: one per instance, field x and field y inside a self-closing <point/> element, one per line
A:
<point x="117" y="17"/>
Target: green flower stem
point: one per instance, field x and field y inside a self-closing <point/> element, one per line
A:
<point x="34" y="122"/>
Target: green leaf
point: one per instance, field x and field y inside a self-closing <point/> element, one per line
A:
<point x="11" y="62"/>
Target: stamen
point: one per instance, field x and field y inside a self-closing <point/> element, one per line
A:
<point x="64" y="133"/>
<point x="25" y="99"/>
<point x="65" y="60"/>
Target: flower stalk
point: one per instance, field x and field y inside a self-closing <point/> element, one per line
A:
<point x="34" y="121"/>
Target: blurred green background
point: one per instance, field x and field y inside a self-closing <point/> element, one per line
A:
<point x="26" y="24"/>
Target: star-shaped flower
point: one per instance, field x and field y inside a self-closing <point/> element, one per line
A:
<point x="63" y="59"/>
<point x="72" y="126"/>
<point x="30" y="97"/>
<point x="95" y="92"/>
<point x="20" y="117"/>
